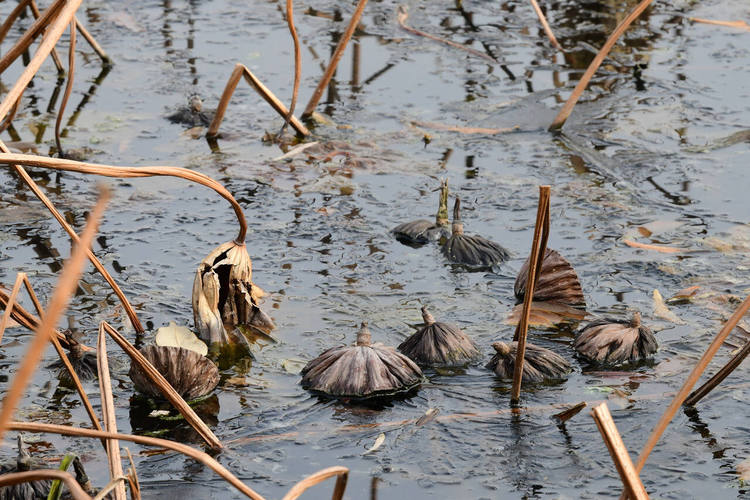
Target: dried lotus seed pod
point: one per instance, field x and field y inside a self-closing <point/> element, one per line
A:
<point x="439" y="344"/>
<point x="612" y="341"/>
<point x="539" y="364"/>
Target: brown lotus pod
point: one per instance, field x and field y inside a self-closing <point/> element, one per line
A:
<point x="557" y="282"/>
<point x="362" y="370"/>
<point x="439" y="344"/>
<point x="419" y="232"/>
<point x="539" y="364"/>
<point x="613" y="341"/>
<point x="191" y="374"/>
<point x="473" y="251"/>
<point x="31" y="490"/>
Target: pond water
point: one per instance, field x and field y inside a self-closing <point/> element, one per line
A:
<point x="643" y="157"/>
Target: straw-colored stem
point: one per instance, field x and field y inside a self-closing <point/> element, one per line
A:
<point x="135" y="485"/>
<point x="28" y="320"/>
<point x="569" y="413"/>
<point x="68" y="85"/>
<point x="128" y="172"/>
<point x="618" y="452"/>
<point x="41" y="474"/>
<point x="14" y="14"/>
<point x="114" y="484"/>
<point x="165" y="387"/>
<point x="240" y="70"/>
<point x="65" y="287"/>
<point x="50" y="38"/>
<point x="23" y="43"/>
<point x="55" y="58"/>
<point x="297" y="61"/>
<point x="11" y="303"/>
<point x="191" y="452"/>
<point x="340" y="473"/>
<point x="108" y="414"/>
<point x="723" y="373"/>
<point x="92" y="42"/>
<point x="729" y="24"/>
<point x="8" y="121"/>
<point x="545" y="25"/>
<point x="538" y="246"/>
<point x="567" y="108"/>
<point x="335" y="58"/>
<point x="74" y="236"/>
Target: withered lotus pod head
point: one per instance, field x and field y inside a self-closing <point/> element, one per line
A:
<point x="23" y="461"/>
<point x="360" y="371"/>
<point x="472" y="251"/>
<point x="191" y="374"/>
<point x="612" y="341"/>
<point x="557" y="282"/>
<point x="539" y="364"/>
<point x="439" y="344"/>
<point x="84" y="362"/>
<point x="224" y="294"/>
<point x="28" y="490"/>
<point x="419" y="232"/>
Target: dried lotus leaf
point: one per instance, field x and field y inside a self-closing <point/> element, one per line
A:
<point x="189" y="373"/>
<point x="539" y="364"/>
<point x="557" y="281"/>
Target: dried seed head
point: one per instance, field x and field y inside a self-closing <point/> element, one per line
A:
<point x="539" y="364"/>
<point x="364" y="337"/>
<point x="441" y="218"/>
<point x="419" y="232"/>
<point x="439" y="344"/>
<point x="557" y="281"/>
<point x="613" y="341"/>
<point x="191" y="374"/>
<point x="472" y="251"/>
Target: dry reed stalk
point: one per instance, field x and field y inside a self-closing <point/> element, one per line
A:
<point x="569" y="413"/>
<point x="39" y="474"/>
<point x="538" y="247"/>
<point x="545" y="25"/>
<point x="619" y="452"/>
<point x="74" y="236"/>
<point x="68" y="84"/>
<point x="464" y="130"/>
<point x="65" y="287"/>
<point x="166" y="389"/>
<point x="340" y="473"/>
<point x="297" y="62"/>
<point x="729" y="24"/>
<point x="28" y="320"/>
<point x="135" y="485"/>
<point x="113" y="485"/>
<point x="30" y="35"/>
<point x="693" y="377"/>
<point x="335" y="58"/>
<point x="108" y="412"/>
<point x="191" y="452"/>
<point x="240" y="70"/>
<point x="567" y="108"/>
<point x="55" y="58"/>
<point x="11" y="302"/>
<point x="92" y="42"/>
<point x="656" y="248"/>
<point x="711" y="383"/>
<point x="50" y="38"/>
<point x="8" y="121"/>
<point x="14" y="14"/>
<point x="128" y="172"/>
<point x="403" y="15"/>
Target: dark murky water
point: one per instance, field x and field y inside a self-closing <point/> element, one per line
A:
<point x="643" y="147"/>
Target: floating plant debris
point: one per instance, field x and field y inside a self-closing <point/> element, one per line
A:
<point x="362" y="370"/>
<point x="473" y="251"/>
<point x="31" y="490"/>
<point x="84" y="362"/>
<point x="614" y="341"/>
<point x="193" y="114"/>
<point x="439" y="344"/>
<point x="419" y="232"/>
<point x="540" y="364"/>
<point x="557" y="281"/>
<point x="191" y="374"/>
<point x="180" y="336"/>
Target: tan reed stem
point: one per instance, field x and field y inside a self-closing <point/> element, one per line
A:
<point x="335" y="58"/>
<point x="567" y="108"/>
<point x="191" y="452"/>
<point x="545" y="25"/>
<point x="135" y="485"/>
<point x="41" y="474"/>
<point x="128" y="172"/>
<point x="340" y="473"/>
<point x="240" y="70"/>
<point x="569" y="413"/>
<point x="66" y="285"/>
<point x="618" y="452"/>
<point x="297" y="62"/>
<point x="55" y="58"/>
<point x="14" y="14"/>
<point x="28" y="320"/>
<point x="11" y="303"/>
<point x="729" y="24"/>
<point x="27" y="39"/>
<point x="711" y="383"/>
<point x="538" y="246"/>
<point x="68" y="85"/>
<point x="92" y="42"/>
<point x="164" y="386"/>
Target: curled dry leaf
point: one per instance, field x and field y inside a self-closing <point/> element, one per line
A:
<point x="180" y="336"/>
<point x="662" y="311"/>
<point x="546" y="314"/>
<point x="378" y="443"/>
<point x="191" y="374"/>
<point x="613" y="341"/>
<point x="557" y="282"/>
<point x="422" y="231"/>
<point x="539" y="364"/>
<point x="471" y="251"/>
<point x="439" y="344"/>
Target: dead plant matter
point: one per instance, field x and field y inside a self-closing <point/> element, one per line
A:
<point x="614" y="341"/>
<point x="192" y="115"/>
<point x="83" y="361"/>
<point x="540" y="364"/>
<point x="473" y="251"/>
<point x="557" y="282"/>
<point x="419" y="232"/>
<point x="362" y="370"/>
<point x="31" y="490"/>
<point x="439" y="344"/>
<point x="224" y="295"/>
<point x="191" y="374"/>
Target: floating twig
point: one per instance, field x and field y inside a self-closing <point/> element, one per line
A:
<point x="68" y="86"/>
<point x="656" y="248"/>
<point x="711" y="383"/>
<point x="402" y="15"/>
<point x="465" y="130"/>
<point x="569" y="413"/>
<point x="545" y="25"/>
<point x="538" y="247"/>
<point x="619" y="452"/>
<point x="335" y="58"/>
<point x="567" y="108"/>
<point x="730" y="24"/>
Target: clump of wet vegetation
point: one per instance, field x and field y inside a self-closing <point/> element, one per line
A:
<point x="242" y="380"/>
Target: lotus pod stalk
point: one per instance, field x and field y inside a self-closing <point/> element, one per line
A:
<point x="30" y="490"/>
<point x="472" y="251"/>
<point x="419" y="232"/>
<point x="613" y="341"/>
<point x="539" y="364"/>
<point x="224" y="295"/>
<point x="439" y="344"/>
<point x="360" y="371"/>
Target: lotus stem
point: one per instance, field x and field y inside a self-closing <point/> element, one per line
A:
<point x="711" y="383"/>
<point x="545" y="25"/>
<point x="14" y="14"/>
<point x="40" y="474"/>
<point x="340" y="473"/>
<point x="68" y="84"/>
<point x="55" y="58"/>
<point x="11" y="303"/>
<point x="28" y="37"/>
<point x="297" y="62"/>
<point x="92" y="42"/>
